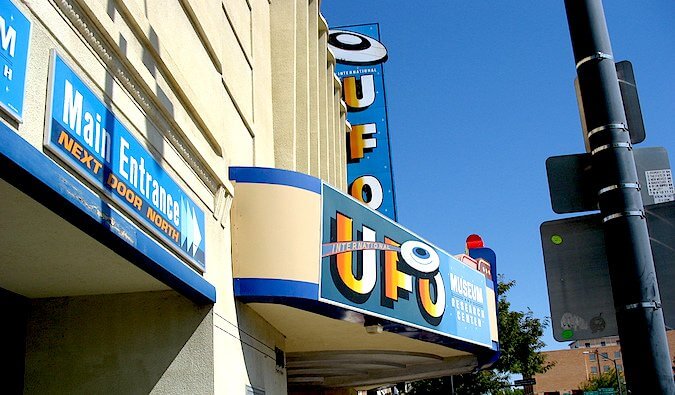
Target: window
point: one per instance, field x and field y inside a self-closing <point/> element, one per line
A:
<point x="605" y="368"/>
<point x="594" y="369"/>
<point x="587" y="345"/>
<point x="604" y="355"/>
<point x="619" y="368"/>
<point x="603" y="344"/>
<point x="591" y="357"/>
<point x="617" y="354"/>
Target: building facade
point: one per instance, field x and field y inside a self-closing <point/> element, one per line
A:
<point x="583" y="360"/>
<point x="167" y="174"/>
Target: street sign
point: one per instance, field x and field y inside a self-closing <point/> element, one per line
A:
<point x="654" y="175"/>
<point x="580" y="293"/>
<point x="630" y="100"/>
<point x="570" y="183"/>
<point x="531" y="381"/>
<point x="572" y="190"/>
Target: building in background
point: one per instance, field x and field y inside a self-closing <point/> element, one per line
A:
<point x="583" y="360"/>
<point x="175" y="215"/>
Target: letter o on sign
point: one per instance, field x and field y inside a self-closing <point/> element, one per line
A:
<point x="356" y="48"/>
<point x="420" y="256"/>
<point x="368" y="190"/>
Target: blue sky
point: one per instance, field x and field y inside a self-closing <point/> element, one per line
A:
<point x="479" y="94"/>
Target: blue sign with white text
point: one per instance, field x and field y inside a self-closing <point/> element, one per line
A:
<point x="359" y="57"/>
<point x="14" y="40"/>
<point x="91" y="139"/>
<point x="373" y="265"/>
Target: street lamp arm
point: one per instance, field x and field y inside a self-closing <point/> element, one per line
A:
<point x="616" y="369"/>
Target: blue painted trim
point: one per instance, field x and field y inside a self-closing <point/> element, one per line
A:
<point x="267" y="175"/>
<point x="30" y="171"/>
<point x="490" y="256"/>
<point x="265" y="287"/>
<point x="303" y="296"/>
<point x="488" y="359"/>
<point x="486" y="356"/>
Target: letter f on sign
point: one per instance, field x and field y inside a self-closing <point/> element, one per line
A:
<point x="358" y="141"/>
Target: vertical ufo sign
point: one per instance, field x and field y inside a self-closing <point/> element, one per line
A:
<point x="359" y="56"/>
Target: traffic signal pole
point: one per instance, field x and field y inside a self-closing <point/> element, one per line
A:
<point x="631" y="265"/>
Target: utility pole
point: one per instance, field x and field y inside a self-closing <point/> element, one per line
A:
<point x="631" y="265"/>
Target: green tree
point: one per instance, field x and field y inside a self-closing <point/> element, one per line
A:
<point x="519" y="337"/>
<point x="604" y="380"/>
<point x="467" y="384"/>
<point x="520" y="341"/>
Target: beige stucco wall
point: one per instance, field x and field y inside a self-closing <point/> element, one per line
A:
<point x="192" y="80"/>
<point x="203" y="85"/>
<point x="309" y="114"/>
<point x="140" y="343"/>
<point x="291" y="218"/>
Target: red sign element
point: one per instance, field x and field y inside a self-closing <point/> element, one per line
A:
<point x="474" y="241"/>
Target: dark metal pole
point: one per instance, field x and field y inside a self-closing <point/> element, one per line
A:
<point x="597" y="359"/>
<point x="618" y="376"/>
<point x="631" y="265"/>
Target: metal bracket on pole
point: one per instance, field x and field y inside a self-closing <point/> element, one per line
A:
<point x="595" y="56"/>
<point x="634" y="213"/>
<point x="608" y="146"/>
<point x="608" y="127"/>
<point x="634" y="185"/>
<point x="645" y="305"/>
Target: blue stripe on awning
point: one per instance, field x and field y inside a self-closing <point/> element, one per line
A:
<point x="266" y="175"/>
<point x="42" y="179"/>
